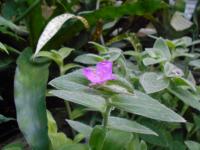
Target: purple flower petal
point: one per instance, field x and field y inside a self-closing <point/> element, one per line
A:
<point x="101" y="74"/>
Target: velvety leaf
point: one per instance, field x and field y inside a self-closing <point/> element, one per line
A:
<point x="186" y="96"/>
<point x="89" y="59"/>
<point x="86" y="130"/>
<point x="30" y="88"/>
<point x="151" y="61"/>
<point x="192" y="145"/>
<point x="142" y="104"/>
<point x="100" y="48"/>
<point x="163" y="48"/>
<point x="88" y="100"/>
<point x="195" y="63"/>
<point x="128" y="126"/>
<point x="153" y="82"/>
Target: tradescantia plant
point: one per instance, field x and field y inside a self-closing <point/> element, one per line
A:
<point x="108" y="88"/>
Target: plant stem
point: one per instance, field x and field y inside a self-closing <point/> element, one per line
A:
<point x="67" y="105"/>
<point x="106" y="114"/>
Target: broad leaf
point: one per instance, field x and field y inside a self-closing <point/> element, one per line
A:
<point x="30" y="88"/>
<point x="153" y="82"/>
<point x="142" y="104"/>
<point x="89" y="59"/>
<point x="186" y="96"/>
<point x="128" y="126"/>
<point x="102" y="139"/>
<point x="86" y="130"/>
<point x="92" y="101"/>
<point x="192" y="145"/>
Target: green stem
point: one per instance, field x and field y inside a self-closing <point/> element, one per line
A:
<point x="106" y="114"/>
<point x="67" y="105"/>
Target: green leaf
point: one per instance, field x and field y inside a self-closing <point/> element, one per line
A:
<point x="12" y="26"/>
<point x="29" y="89"/>
<point x="102" y="139"/>
<point x="53" y="27"/>
<point x="171" y="70"/>
<point x="69" y="66"/>
<point x="51" y="55"/>
<point x="144" y="105"/>
<point x="13" y="146"/>
<point x="179" y="22"/>
<point x="153" y="82"/>
<point x="89" y="59"/>
<point x="186" y="96"/>
<point x="75" y="76"/>
<point x="161" y="45"/>
<point x="192" y="145"/>
<point x="3" y="48"/>
<point x="5" y="119"/>
<point x="151" y="61"/>
<point x="128" y="126"/>
<point x="92" y="101"/>
<point x="80" y="127"/>
<point x="65" y="52"/>
<point x="58" y="139"/>
<point x="195" y="63"/>
<point x="100" y="48"/>
<point x="74" y="147"/>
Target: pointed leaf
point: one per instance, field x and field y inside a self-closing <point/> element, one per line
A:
<point x="88" y="100"/>
<point x="144" y="105"/>
<point x="86" y="130"/>
<point x="52" y="28"/>
<point x="128" y="126"/>
<point x="153" y="82"/>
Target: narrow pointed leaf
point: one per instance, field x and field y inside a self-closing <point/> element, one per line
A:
<point x="53" y="27"/>
<point x="128" y="126"/>
<point x="92" y="101"/>
<point x="144" y="105"/>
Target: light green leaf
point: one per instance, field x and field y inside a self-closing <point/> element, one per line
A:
<point x="92" y="101"/>
<point x="192" y="145"/>
<point x="153" y="82"/>
<point x="89" y="59"/>
<point x="151" y="61"/>
<point x="3" y="48"/>
<point x="179" y="23"/>
<point x="161" y="45"/>
<point x="171" y="70"/>
<point x="128" y="126"/>
<point x="86" y="130"/>
<point x="65" y="52"/>
<point x="52" y="28"/>
<point x="100" y="48"/>
<point x="144" y="105"/>
<point x="195" y="63"/>
<point x="5" y="119"/>
<point x="186" y="96"/>
<point x="51" y="55"/>
<point x="102" y="139"/>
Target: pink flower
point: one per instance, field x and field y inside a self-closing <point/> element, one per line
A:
<point x="101" y="74"/>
